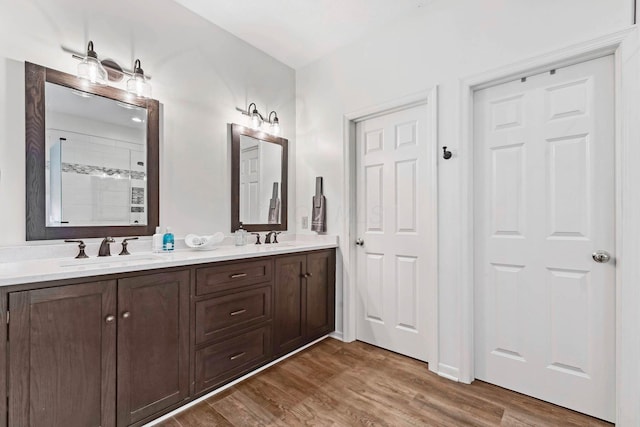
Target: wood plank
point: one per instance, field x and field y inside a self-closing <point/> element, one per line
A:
<point x="344" y="384"/>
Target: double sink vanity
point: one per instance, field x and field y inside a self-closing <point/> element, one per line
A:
<point x="121" y="340"/>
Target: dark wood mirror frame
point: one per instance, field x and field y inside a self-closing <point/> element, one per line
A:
<point x="36" y="226"/>
<point x="236" y="132"/>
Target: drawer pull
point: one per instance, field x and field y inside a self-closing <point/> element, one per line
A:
<point x="239" y="275"/>
<point x="235" y="313"/>
<point x="236" y="356"/>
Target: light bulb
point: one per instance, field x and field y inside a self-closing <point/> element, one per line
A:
<point x="139" y="86"/>
<point x="275" y="127"/>
<point x="255" y="120"/>
<point x="92" y="70"/>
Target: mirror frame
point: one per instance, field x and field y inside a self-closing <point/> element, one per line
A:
<point x="236" y="132"/>
<point x="35" y="111"/>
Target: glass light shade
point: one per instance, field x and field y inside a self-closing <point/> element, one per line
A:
<point x="138" y="85"/>
<point x="275" y="127"/>
<point x="256" y="122"/>
<point x="91" y="69"/>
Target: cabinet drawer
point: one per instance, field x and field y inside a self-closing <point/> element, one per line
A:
<point x="232" y="357"/>
<point x="219" y="315"/>
<point x="230" y="276"/>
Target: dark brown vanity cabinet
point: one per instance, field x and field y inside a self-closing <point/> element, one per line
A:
<point x="126" y="348"/>
<point x="304" y="299"/>
<point x="74" y="348"/>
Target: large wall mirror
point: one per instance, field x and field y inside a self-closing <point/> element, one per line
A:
<point x="92" y="158"/>
<point x="258" y="180"/>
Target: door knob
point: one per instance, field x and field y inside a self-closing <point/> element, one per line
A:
<point x="110" y="318"/>
<point x="126" y="315"/>
<point x="360" y="242"/>
<point x="601" y="256"/>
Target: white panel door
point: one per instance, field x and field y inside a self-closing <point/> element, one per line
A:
<point x="544" y="202"/>
<point x="390" y="166"/>
<point x="250" y="185"/>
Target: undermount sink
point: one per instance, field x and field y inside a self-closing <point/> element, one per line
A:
<point x="108" y="261"/>
<point x="8" y="268"/>
<point x="278" y="245"/>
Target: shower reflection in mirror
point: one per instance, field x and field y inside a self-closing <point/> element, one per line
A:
<point x="95" y="159"/>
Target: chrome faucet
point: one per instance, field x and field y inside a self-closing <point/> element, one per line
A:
<point x="105" y="249"/>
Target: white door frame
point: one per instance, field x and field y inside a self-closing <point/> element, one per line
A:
<point x="606" y="45"/>
<point x="349" y="273"/>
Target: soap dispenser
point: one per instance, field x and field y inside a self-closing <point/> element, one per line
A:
<point x="168" y="242"/>
<point x="241" y="236"/>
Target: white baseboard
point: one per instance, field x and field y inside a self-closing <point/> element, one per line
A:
<point x="448" y="372"/>
<point x="231" y="384"/>
<point x="337" y="335"/>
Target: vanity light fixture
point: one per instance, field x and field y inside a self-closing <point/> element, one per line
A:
<point x="138" y="84"/>
<point x="90" y="68"/>
<point x="101" y="72"/>
<point x="257" y="120"/>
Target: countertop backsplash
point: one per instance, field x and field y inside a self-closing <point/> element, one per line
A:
<point x="59" y="249"/>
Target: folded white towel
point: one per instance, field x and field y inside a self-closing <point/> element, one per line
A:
<point x="203" y="242"/>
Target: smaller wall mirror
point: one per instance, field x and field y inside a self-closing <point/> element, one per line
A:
<point x="258" y="180"/>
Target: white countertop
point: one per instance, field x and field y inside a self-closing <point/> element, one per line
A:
<point x="41" y="270"/>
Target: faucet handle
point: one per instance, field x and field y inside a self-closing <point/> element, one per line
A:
<point x="125" y="242"/>
<point x="81" y="246"/>
<point x="258" y="242"/>
<point x="275" y="236"/>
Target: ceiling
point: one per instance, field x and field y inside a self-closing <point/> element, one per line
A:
<point x="64" y="100"/>
<point x="297" y="32"/>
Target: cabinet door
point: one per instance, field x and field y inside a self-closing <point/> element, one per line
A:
<point x="320" y="294"/>
<point x="289" y="306"/>
<point x="62" y="356"/>
<point x="153" y="344"/>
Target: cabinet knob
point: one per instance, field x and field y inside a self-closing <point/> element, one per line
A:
<point x="110" y="318"/>
<point x="126" y="315"/>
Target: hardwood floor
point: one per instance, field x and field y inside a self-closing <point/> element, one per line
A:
<point x="340" y="384"/>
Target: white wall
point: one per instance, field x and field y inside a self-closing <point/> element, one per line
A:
<point x="439" y="45"/>
<point x="200" y="73"/>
